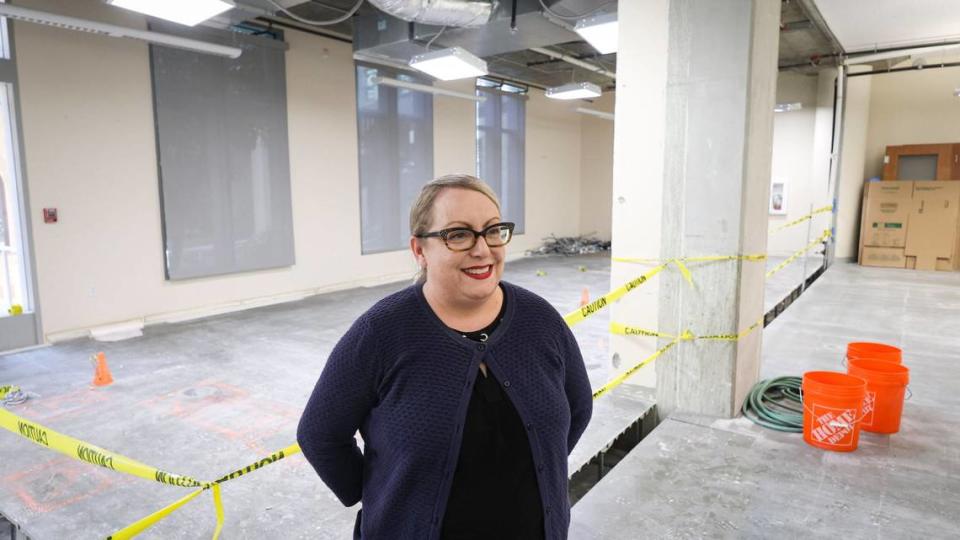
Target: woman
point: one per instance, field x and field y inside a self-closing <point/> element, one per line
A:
<point x="469" y="392"/>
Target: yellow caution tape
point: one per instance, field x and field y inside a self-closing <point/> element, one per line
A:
<point x="618" y="380"/>
<point x="826" y="234"/>
<point x="708" y="258"/>
<point x="828" y="208"/>
<point x="579" y="315"/>
<point x="624" y="330"/>
<point x="141" y="525"/>
<point x="734" y="337"/>
<point x="82" y="451"/>
<point x="687" y="335"/>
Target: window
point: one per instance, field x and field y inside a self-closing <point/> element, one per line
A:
<point x="19" y="320"/>
<point x="395" y="131"/>
<point x="224" y="163"/>
<point x="501" y="121"/>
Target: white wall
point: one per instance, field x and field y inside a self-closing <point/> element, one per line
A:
<point x="856" y="119"/>
<point x="596" y="169"/>
<point x="89" y="142"/>
<point x="793" y="135"/>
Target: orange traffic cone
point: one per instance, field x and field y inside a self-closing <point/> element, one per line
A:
<point x="102" y="376"/>
<point x="584" y="297"/>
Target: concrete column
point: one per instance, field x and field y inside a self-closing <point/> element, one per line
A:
<point x="692" y="149"/>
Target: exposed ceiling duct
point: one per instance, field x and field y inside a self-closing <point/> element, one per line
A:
<point x="384" y="35"/>
<point x="457" y="13"/>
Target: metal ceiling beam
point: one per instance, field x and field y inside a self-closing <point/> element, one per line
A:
<point x="814" y="15"/>
<point x="575" y="61"/>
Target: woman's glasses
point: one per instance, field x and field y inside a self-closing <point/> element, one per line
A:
<point x="464" y="238"/>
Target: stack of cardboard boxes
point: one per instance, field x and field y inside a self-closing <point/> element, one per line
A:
<point x="911" y="224"/>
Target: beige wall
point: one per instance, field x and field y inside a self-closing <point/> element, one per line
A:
<point x="856" y="119"/>
<point x="596" y="170"/>
<point x="552" y="172"/>
<point x="911" y="107"/>
<point x="89" y="144"/>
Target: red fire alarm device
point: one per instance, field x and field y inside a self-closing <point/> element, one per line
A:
<point x="49" y="215"/>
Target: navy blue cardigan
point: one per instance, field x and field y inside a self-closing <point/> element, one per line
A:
<point x="404" y="379"/>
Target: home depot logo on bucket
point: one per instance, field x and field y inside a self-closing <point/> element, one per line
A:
<point x="833" y="426"/>
<point x="869" y="404"/>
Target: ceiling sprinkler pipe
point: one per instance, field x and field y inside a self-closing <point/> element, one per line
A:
<point x="454" y="13"/>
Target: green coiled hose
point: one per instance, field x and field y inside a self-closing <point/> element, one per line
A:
<point x="776" y="404"/>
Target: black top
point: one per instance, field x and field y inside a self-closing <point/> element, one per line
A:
<point x="494" y="492"/>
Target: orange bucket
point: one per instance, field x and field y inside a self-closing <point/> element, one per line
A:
<point x="886" y="384"/>
<point x="832" y="407"/>
<point x="874" y="351"/>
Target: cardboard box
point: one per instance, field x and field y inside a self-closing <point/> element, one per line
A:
<point x="886" y="213"/>
<point x="932" y="238"/>
<point x="883" y="256"/>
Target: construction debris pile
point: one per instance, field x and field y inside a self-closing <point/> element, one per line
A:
<point x="570" y="245"/>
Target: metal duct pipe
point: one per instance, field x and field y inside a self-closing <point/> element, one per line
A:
<point x="459" y="13"/>
<point x="576" y="62"/>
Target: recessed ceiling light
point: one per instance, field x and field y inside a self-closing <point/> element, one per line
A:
<point x="580" y="90"/>
<point x="188" y="12"/>
<point x="599" y="31"/>
<point x="449" y="64"/>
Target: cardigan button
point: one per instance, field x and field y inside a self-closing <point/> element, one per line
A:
<point x="481" y="347"/>
<point x="540" y="467"/>
<point x="506" y="384"/>
<point x="529" y="426"/>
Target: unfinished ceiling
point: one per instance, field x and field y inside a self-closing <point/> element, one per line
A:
<point x="806" y="44"/>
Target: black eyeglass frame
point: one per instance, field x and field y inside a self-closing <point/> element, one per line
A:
<point x="443" y="233"/>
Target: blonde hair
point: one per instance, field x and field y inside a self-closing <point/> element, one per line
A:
<point x="421" y="213"/>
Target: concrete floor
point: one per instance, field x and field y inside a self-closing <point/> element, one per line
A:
<point x="204" y="397"/>
<point x="697" y="477"/>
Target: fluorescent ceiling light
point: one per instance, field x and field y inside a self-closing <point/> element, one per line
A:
<point x="592" y="112"/>
<point x="449" y="64"/>
<point x="386" y="81"/>
<point x="788" y="107"/>
<point x="188" y="12"/>
<point x="580" y="90"/>
<point x="599" y="31"/>
<point x="111" y="30"/>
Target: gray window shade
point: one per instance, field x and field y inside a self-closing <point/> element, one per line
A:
<point x="395" y="130"/>
<point x="501" y="128"/>
<point x="224" y="162"/>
